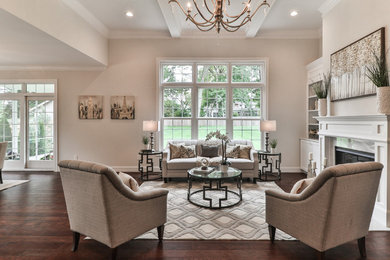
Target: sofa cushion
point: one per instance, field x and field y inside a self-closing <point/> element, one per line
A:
<point x="232" y="151"/>
<point x="301" y="185"/>
<point x="175" y="150"/>
<point x="245" y="152"/>
<point x="242" y="164"/>
<point x="209" y="151"/>
<point x="188" y="151"/>
<point x="181" y="163"/>
<point x="214" y="161"/>
<point x="129" y="181"/>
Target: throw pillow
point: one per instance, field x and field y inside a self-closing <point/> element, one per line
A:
<point x="175" y="150"/>
<point x="233" y="151"/>
<point x="188" y="151"/>
<point x="129" y="181"/>
<point x="300" y="185"/>
<point x="210" y="151"/>
<point x="245" y="152"/>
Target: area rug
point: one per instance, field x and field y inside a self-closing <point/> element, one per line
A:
<point x="245" y="221"/>
<point x="11" y="183"/>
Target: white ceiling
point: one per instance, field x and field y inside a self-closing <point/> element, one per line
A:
<point x="22" y="44"/>
<point x="148" y="15"/>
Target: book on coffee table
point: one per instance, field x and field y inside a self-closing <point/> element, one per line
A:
<point x="208" y="170"/>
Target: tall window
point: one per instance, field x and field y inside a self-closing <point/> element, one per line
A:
<point x="199" y="97"/>
<point x="27" y="124"/>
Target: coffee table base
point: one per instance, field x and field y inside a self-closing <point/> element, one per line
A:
<point x="224" y="189"/>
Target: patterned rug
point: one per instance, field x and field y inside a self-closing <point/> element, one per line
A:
<point x="245" y="221"/>
<point x="11" y="183"/>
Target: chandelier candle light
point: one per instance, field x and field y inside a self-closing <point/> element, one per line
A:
<point x="151" y="126"/>
<point x="267" y="126"/>
<point x="212" y="13"/>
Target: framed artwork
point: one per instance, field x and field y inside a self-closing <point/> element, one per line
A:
<point x="348" y="67"/>
<point x="90" y="107"/>
<point x="122" y="107"/>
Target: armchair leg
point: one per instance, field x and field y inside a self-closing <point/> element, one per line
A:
<point x="113" y="253"/>
<point x="160" y="232"/>
<point x="271" y="230"/>
<point x="1" y="177"/>
<point x="165" y="180"/>
<point x="321" y="255"/>
<point x="76" y="239"/>
<point x="362" y="246"/>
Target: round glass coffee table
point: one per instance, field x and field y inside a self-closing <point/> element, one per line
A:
<point x="213" y="194"/>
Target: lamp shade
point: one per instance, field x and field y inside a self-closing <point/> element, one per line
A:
<point x="151" y="126"/>
<point x="267" y="125"/>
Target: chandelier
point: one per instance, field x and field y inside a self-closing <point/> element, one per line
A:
<point x="215" y="12"/>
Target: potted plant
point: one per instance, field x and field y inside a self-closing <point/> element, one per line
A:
<point x="379" y="75"/>
<point x="321" y="91"/>
<point x="145" y="141"/>
<point x="225" y="140"/>
<point x="273" y="143"/>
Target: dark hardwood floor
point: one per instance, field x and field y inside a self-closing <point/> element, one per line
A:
<point x="34" y="225"/>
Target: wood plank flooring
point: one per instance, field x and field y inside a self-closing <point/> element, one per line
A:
<point x="34" y="225"/>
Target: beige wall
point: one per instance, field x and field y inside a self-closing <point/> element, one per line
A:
<point x="349" y="21"/>
<point x="132" y="71"/>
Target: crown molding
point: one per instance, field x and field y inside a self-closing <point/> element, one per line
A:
<point x="194" y="34"/>
<point x="52" y="68"/>
<point x="327" y="6"/>
<point x="87" y="16"/>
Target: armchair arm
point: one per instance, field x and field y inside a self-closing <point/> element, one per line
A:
<point x="253" y="155"/>
<point x="147" y="195"/>
<point x="283" y="195"/>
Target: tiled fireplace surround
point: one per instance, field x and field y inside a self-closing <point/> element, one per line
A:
<point x="373" y="129"/>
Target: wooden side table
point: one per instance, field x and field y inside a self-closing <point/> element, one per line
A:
<point x="271" y="161"/>
<point x="147" y="157"/>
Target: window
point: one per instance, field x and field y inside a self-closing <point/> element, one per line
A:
<point x="200" y="97"/>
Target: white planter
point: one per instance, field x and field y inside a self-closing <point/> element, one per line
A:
<point x="223" y="168"/>
<point x="383" y="100"/>
<point x="273" y="150"/>
<point x="322" y="102"/>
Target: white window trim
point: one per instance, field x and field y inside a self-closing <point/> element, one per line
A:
<point x="23" y="97"/>
<point x="264" y="87"/>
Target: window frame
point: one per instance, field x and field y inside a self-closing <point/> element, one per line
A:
<point x="229" y="85"/>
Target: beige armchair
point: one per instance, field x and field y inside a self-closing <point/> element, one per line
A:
<point x="100" y="206"/>
<point x="336" y="208"/>
<point x="3" y="150"/>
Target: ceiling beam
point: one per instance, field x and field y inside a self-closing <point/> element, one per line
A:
<point x="173" y="25"/>
<point x="258" y="20"/>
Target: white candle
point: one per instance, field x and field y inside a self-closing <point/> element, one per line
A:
<point x="325" y="162"/>
<point x="313" y="165"/>
<point x="310" y="156"/>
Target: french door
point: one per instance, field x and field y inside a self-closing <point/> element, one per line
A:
<point x="40" y="133"/>
<point x="28" y="125"/>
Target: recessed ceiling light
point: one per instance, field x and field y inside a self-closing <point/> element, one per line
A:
<point x="294" y="13"/>
<point x="129" y="14"/>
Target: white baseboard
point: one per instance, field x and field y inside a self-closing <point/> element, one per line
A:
<point x="290" y="169"/>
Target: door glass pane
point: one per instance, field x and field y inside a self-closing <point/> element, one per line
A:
<point x="10" y="127"/>
<point x="40" y="129"/>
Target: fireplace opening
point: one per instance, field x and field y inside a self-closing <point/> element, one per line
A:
<point x="346" y="155"/>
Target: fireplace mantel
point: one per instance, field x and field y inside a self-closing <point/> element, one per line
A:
<point x="372" y="128"/>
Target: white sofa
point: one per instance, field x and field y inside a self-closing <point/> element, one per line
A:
<point x="177" y="168"/>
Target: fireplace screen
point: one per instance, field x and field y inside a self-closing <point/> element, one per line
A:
<point x="345" y="155"/>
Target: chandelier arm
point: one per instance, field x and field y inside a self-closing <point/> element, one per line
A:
<point x="200" y="13"/>
<point x="243" y="22"/>
<point x="264" y="3"/>
<point x="207" y="7"/>
<point x="242" y="12"/>
<point x="227" y="28"/>
<point x="189" y="17"/>
<point x="205" y="30"/>
<point x="203" y="24"/>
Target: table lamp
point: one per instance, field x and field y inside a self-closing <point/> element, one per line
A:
<point x="267" y="126"/>
<point x="151" y="126"/>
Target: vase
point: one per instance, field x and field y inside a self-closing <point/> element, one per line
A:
<point x="383" y="100"/>
<point x="223" y="168"/>
<point x="322" y="102"/>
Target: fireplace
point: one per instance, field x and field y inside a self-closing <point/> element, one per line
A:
<point x="346" y="155"/>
